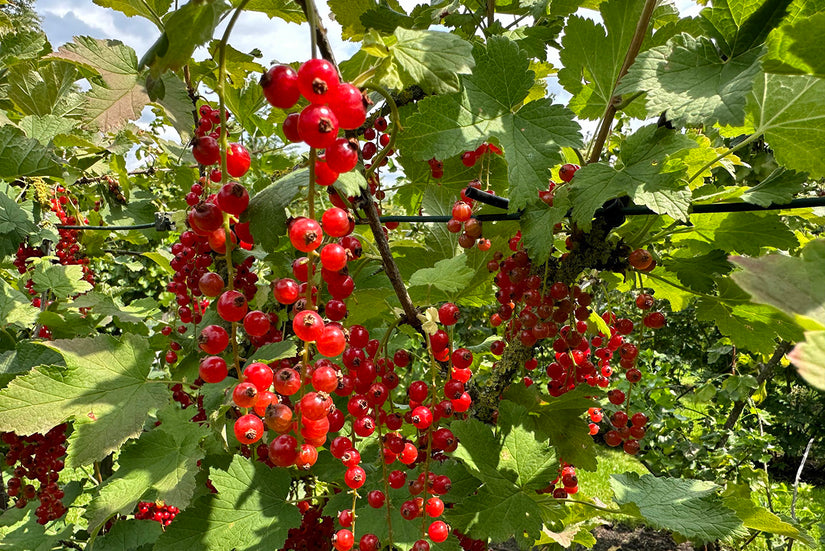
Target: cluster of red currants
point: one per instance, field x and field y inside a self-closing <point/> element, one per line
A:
<point x="463" y="221"/>
<point x="569" y="482"/>
<point x="333" y="105"/>
<point x="40" y="459"/>
<point x="314" y="533"/>
<point x="207" y="150"/>
<point x="159" y="512"/>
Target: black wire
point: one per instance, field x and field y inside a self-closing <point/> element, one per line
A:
<point x="107" y="228"/>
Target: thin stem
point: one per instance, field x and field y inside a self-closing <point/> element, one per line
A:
<point x="433" y="380"/>
<point x="798" y="476"/>
<point x="615" y="101"/>
<point x="393" y="132"/>
<point x="387" y="501"/>
<point x="491" y="13"/>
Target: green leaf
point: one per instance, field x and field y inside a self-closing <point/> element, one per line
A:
<point x="687" y="79"/>
<point x="21" y="156"/>
<point x="698" y="271"/>
<point x="681" y="505"/>
<point x="15" y="307"/>
<point x="537" y="225"/>
<point x="787" y="110"/>
<point x="24" y="357"/>
<point x="36" y="90"/>
<point x="644" y="174"/>
<point x="45" y="128"/>
<point x="750" y="326"/>
<point x="185" y="29"/>
<point x="431" y="59"/>
<point x="129" y="535"/>
<point x="592" y="57"/>
<point x="22" y="45"/>
<point x="809" y="358"/>
<point x="790" y="284"/>
<point x="449" y="275"/>
<point x="778" y="188"/>
<point x="512" y="466"/>
<point x="740" y="25"/>
<point x="274" y="351"/>
<point x="63" y="281"/>
<point x="288" y="10"/>
<point x="16" y="222"/>
<point x="103" y="387"/>
<point x="267" y="208"/>
<point x="794" y="48"/>
<point x="248" y="512"/>
<point x="162" y="461"/>
<point x="350" y="183"/>
<point x="756" y="517"/>
<point x="120" y="98"/>
<point x="138" y="311"/>
<point x="348" y="14"/>
<point x="561" y="421"/>
<point x="489" y="106"/>
<point x="177" y="106"/>
<point x="744" y="232"/>
<point x="148" y="9"/>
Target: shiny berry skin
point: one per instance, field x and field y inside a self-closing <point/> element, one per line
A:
<point x="567" y="171"/>
<point x="280" y="86"/>
<point x="380" y="124"/>
<point x="645" y="301"/>
<point x="355" y="477"/>
<point x="325" y="379"/>
<point x="448" y="314"/>
<point x="422" y="417"/>
<point x="249" y="428"/>
<point x="232" y="306"/>
<point x="318" y="126"/>
<point x="265" y="399"/>
<point x="369" y="150"/>
<point x="336" y="222"/>
<point x="211" y="284"/>
<point x="438" y="531"/>
<point x="369" y="542"/>
<point x="287" y="381"/>
<point x="283" y="450"/>
<point x="401" y="358"/>
<point x="308" y="325"/>
<point x="631" y="447"/>
<point x="339" y="446"/>
<point x="237" y="160"/>
<point x="376" y="499"/>
<point x="206" y="218"/>
<point x="318" y="80"/>
<point x="315" y="405"/>
<point x="305" y="234"/>
<point x="343" y="539"/>
<point x="206" y="150"/>
<point x="462" y="358"/>
<point x="259" y="374"/>
<point x="654" y="320"/>
<point x="331" y="342"/>
<point x="290" y="128"/>
<point x="462" y="403"/>
<point x="213" y="339"/>
<point x="409" y="455"/>
<point x="233" y="198"/>
<point x="342" y="155"/>
<point x="421" y="545"/>
<point x="348" y="105"/>
<point x="640" y="259"/>
<point x="334" y="257"/>
<point x="256" y="323"/>
<point x="434" y="507"/>
<point x="325" y="176"/>
<point x="285" y="291"/>
<point x="497" y="347"/>
<point x="639" y="419"/>
<point x="245" y="395"/>
<point x="462" y="211"/>
<point x="397" y="479"/>
<point x="212" y="369"/>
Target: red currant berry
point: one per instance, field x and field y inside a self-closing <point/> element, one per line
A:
<point x="305" y="234"/>
<point x="318" y="80"/>
<point x="206" y="150"/>
<point x="280" y="86"/>
<point x="290" y="128"/>
<point x="318" y="126"/>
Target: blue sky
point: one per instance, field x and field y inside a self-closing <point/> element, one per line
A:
<point x="277" y="40"/>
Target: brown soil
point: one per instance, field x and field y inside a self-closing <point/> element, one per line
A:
<point x="625" y="538"/>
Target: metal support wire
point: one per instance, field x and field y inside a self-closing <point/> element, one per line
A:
<point x="633" y="210"/>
